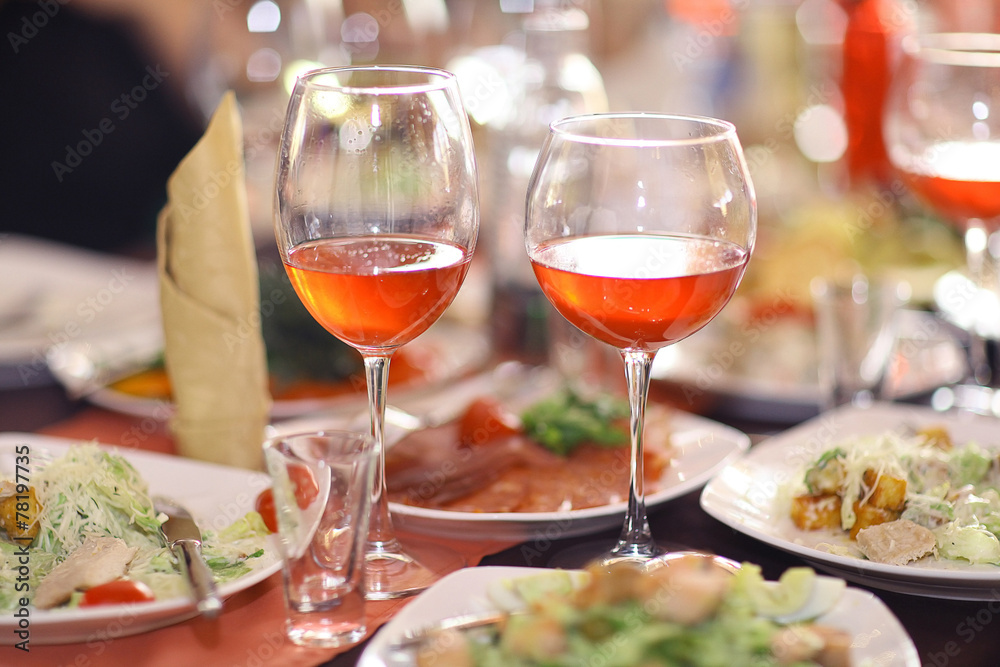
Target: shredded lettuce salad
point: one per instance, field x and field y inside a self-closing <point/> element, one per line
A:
<point x="559" y="629"/>
<point x="954" y="491"/>
<point x="93" y="492"/>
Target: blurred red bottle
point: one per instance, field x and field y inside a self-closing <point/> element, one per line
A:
<point x="871" y="43"/>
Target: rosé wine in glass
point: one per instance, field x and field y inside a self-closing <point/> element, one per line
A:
<point x="958" y="180"/>
<point x="639" y="228"/>
<point x="379" y="291"/>
<point x="628" y="306"/>
<point x="377" y="216"/>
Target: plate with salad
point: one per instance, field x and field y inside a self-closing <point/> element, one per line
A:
<point x="899" y="497"/>
<point x="684" y="613"/>
<point x="59" y="495"/>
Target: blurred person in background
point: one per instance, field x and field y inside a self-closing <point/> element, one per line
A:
<point x="93" y="118"/>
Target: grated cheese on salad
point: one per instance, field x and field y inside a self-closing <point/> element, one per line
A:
<point x="950" y="490"/>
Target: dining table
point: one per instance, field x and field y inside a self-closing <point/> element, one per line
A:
<point x="249" y="630"/>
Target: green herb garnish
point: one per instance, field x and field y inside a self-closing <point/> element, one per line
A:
<point x="566" y="420"/>
<point x="826" y="472"/>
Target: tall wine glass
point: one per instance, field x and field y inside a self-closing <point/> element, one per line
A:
<point x="639" y="228"/>
<point x="376" y="220"/>
<point x="942" y="131"/>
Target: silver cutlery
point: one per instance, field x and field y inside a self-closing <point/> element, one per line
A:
<point x="414" y="637"/>
<point x="184" y="538"/>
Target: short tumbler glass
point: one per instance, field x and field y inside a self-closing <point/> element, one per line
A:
<point x="856" y="336"/>
<point x="322" y="484"/>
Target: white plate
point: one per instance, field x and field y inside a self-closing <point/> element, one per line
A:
<point x="702" y="447"/>
<point x="878" y="636"/>
<point x="454" y="349"/>
<point x="54" y="293"/>
<point x="748" y="496"/>
<point x="216" y="496"/>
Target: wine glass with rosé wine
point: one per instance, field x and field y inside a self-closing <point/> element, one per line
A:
<point x="942" y="132"/>
<point x="639" y="228"/>
<point x="377" y="215"/>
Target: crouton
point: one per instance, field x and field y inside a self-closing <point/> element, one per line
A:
<point x="19" y="512"/>
<point x="936" y="436"/>
<point x="885" y="491"/>
<point x="869" y="515"/>
<point x="795" y="644"/>
<point x="816" y="511"/>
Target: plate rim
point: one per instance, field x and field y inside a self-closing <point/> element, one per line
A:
<point x="476" y="345"/>
<point x="95" y="269"/>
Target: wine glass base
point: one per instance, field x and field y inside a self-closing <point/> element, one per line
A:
<point x="590" y="553"/>
<point x="393" y="571"/>
<point x="973" y="398"/>
<point x="664" y="559"/>
<point x="587" y="553"/>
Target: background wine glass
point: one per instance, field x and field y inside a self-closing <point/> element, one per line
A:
<point x="377" y="220"/>
<point x="942" y="130"/>
<point x="639" y="228"/>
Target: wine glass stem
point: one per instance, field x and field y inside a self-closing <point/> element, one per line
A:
<point x="636" y="538"/>
<point x="381" y="536"/>
<point x="983" y="263"/>
<point x="976" y="251"/>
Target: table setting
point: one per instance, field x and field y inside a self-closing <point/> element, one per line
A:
<point x="751" y="431"/>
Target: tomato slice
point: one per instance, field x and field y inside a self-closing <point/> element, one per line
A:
<point x="265" y="507"/>
<point x="306" y="488"/>
<point x="486" y="419"/>
<point x="306" y="491"/>
<point x="119" y="591"/>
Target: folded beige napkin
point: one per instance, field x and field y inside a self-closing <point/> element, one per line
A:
<point x="210" y="300"/>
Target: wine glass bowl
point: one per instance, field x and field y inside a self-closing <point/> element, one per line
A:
<point x="376" y="222"/>
<point x="942" y="128"/>
<point x="639" y="228"/>
<point x="412" y="281"/>
<point x="942" y="132"/>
